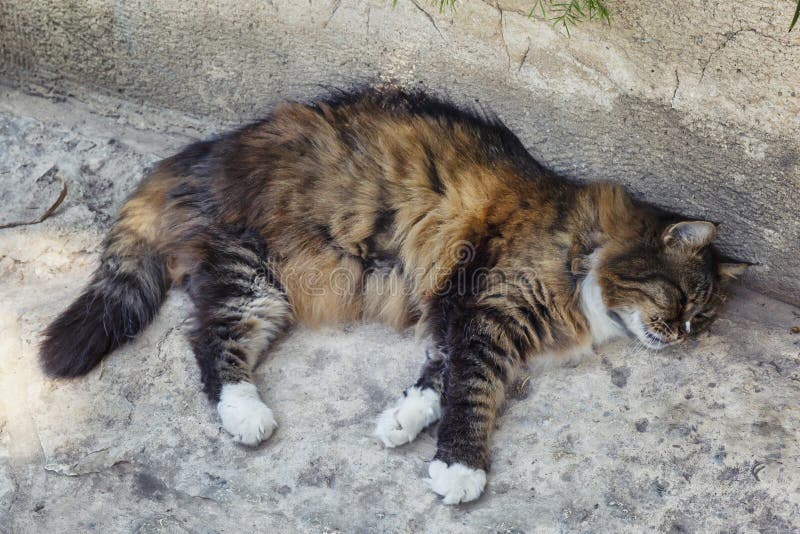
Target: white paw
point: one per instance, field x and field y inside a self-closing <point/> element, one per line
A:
<point x="456" y="482"/>
<point x="402" y="422"/>
<point x="243" y="414"/>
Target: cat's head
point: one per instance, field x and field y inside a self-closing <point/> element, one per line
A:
<point x="667" y="286"/>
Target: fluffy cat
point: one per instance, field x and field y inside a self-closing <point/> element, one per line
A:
<point x="396" y="207"/>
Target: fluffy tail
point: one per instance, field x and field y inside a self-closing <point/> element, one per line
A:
<point x="123" y="296"/>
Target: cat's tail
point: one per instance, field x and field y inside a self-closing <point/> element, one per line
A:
<point x="125" y="291"/>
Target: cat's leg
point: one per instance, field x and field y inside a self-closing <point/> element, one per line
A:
<point x="419" y="406"/>
<point x="240" y="309"/>
<point x="481" y="360"/>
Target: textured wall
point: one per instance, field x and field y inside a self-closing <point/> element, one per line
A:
<point x="693" y="104"/>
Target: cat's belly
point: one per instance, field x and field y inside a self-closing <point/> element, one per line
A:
<point x="330" y="287"/>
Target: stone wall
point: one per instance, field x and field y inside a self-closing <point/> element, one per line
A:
<point x="692" y="104"/>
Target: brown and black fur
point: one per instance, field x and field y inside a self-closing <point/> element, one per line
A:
<point x="430" y="214"/>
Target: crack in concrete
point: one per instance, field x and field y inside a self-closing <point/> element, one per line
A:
<point x="730" y="36"/>
<point x="783" y="43"/>
<point x="503" y="37"/>
<point x="178" y="492"/>
<point x="525" y="55"/>
<point x="336" y="5"/>
<point x="510" y="10"/>
<point x="429" y="17"/>
<point x="675" y="92"/>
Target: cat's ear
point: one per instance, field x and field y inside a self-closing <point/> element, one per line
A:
<point x="732" y="270"/>
<point x="691" y="234"/>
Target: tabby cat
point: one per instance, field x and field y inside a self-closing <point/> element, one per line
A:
<point x="398" y="207"/>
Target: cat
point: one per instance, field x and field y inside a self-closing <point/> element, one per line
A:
<point x="394" y="206"/>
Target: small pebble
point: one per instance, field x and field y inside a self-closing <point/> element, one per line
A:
<point x="641" y="425"/>
<point x="795" y="330"/>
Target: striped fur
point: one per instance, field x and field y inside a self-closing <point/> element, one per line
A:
<point x="401" y="208"/>
<point x="240" y="308"/>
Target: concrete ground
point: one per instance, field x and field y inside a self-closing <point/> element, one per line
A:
<point x="700" y="438"/>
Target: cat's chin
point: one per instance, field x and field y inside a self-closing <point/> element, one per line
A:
<point x="636" y="328"/>
<point x="653" y="341"/>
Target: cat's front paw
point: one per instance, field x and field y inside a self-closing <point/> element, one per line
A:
<point x="456" y="482"/>
<point x="400" y="424"/>
<point x="243" y="414"/>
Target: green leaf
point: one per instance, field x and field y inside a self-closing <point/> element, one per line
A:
<point x="540" y="5"/>
<point x="796" y="16"/>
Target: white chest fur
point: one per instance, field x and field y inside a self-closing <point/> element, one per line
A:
<point x="603" y="327"/>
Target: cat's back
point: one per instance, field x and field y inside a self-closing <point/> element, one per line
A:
<point x="349" y="165"/>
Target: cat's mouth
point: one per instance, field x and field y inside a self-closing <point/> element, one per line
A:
<point x="654" y="341"/>
<point x="634" y="326"/>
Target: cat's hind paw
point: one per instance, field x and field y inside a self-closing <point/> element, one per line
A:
<point x="401" y="423"/>
<point x="456" y="482"/>
<point x="244" y="415"/>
